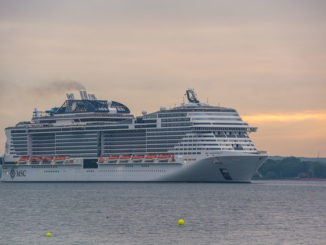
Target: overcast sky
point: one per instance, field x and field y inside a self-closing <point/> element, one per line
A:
<point x="267" y="59"/>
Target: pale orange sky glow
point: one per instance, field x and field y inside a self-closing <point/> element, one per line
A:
<point x="264" y="58"/>
<point x="319" y="116"/>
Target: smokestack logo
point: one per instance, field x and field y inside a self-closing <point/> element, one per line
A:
<point x="12" y="173"/>
<point x="17" y="173"/>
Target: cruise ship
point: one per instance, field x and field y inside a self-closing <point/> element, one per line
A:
<point x="89" y="140"/>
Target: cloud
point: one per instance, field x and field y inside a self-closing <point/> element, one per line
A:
<point x="303" y="116"/>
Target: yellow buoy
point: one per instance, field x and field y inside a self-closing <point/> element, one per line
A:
<point x="48" y="234"/>
<point x="181" y="222"/>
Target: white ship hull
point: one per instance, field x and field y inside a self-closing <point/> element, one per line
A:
<point x="222" y="168"/>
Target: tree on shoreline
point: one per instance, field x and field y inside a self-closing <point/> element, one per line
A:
<point x="291" y="168"/>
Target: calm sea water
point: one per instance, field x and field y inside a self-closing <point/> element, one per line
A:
<point x="264" y="212"/>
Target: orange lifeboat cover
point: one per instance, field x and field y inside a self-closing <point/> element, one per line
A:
<point x="124" y="157"/>
<point x="150" y="156"/>
<point x="113" y="157"/>
<point x="101" y="160"/>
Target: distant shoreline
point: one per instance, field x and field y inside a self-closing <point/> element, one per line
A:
<point x="292" y="168"/>
<point x="290" y="179"/>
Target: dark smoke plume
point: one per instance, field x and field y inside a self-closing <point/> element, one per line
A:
<point x="57" y="87"/>
<point x="11" y="90"/>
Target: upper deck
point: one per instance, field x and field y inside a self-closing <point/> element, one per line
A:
<point x="88" y="109"/>
<point x="95" y="128"/>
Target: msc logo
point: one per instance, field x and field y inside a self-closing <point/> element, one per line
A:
<point x="16" y="172"/>
<point x="12" y="173"/>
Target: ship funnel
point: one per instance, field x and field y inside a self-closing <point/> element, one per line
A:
<point x="92" y="97"/>
<point x="83" y="95"/>
<point x="70" y="96"/>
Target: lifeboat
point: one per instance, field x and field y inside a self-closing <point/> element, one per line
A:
<point x="47" y="159"/>
<point x="60" y="159"/>
<point x="36" y="160"/>
<point x="23" y="160"/>
<point x="163" y="158"/>
<point x="71" y="161"/>
<point x="124" y="158"/>
<point x="101" y="160"/>
<point x="150" y="158"/>
<point x="137" y="158"/>
<point x="113" y="159"/>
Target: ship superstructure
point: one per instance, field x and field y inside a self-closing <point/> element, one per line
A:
<point x="98" y="140"/>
